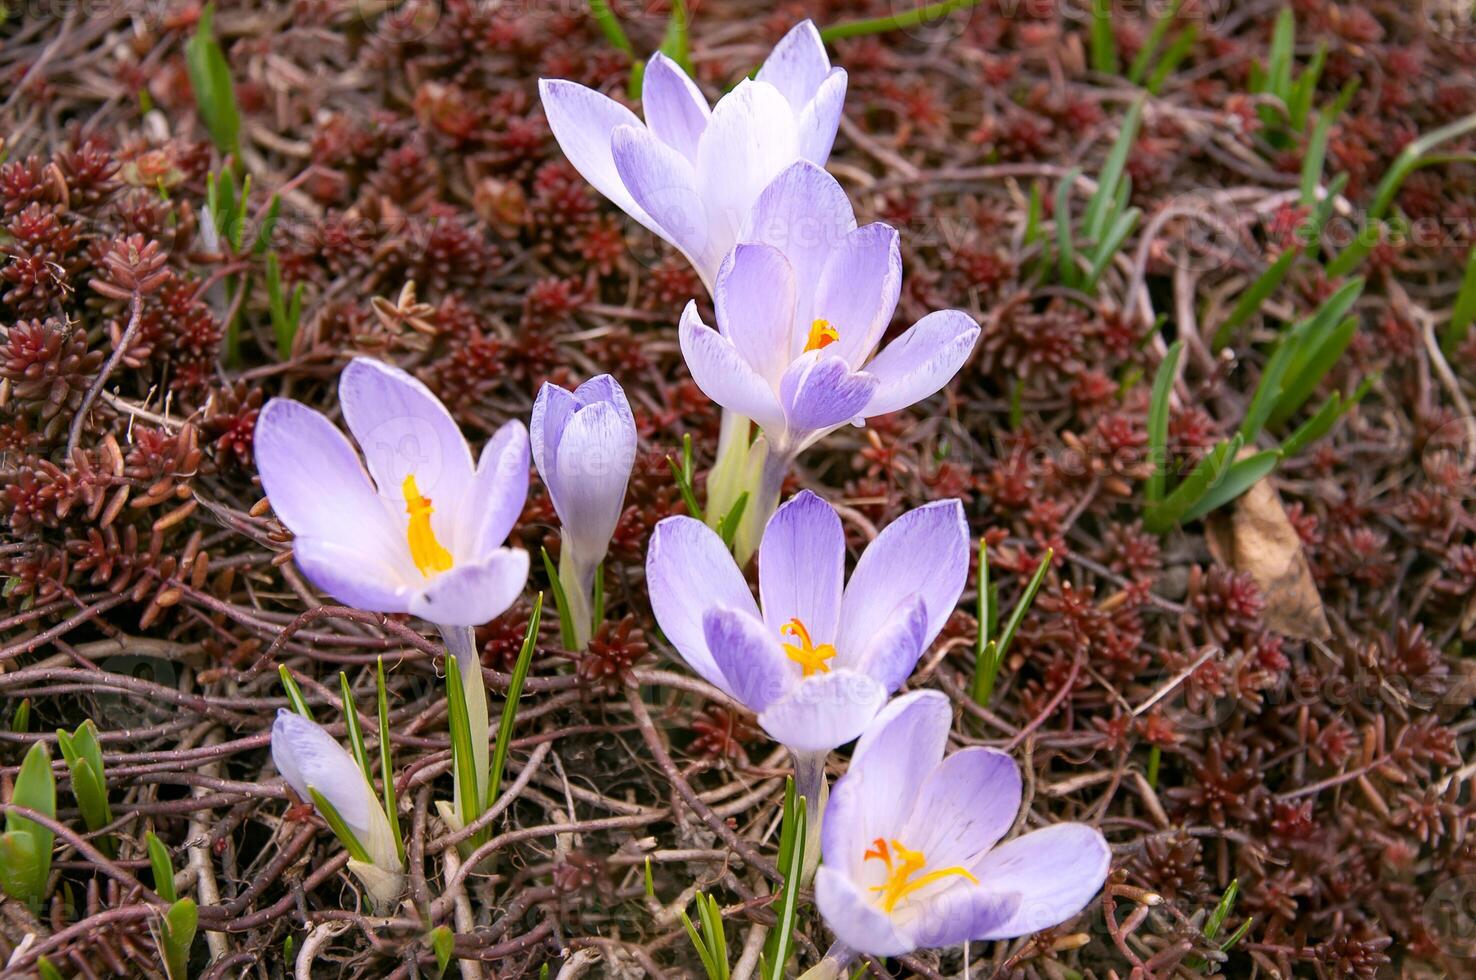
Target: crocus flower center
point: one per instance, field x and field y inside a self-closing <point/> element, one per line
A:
<point x="822" y="335"/>
<point x="805" y="653"/>
<point x="425" y="550"/>
<point x="902" y="864"/>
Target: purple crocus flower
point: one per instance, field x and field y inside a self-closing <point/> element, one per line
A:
<point x="422" y="530"/>
<point x="689" y="173"/>
<point x="802" y="303"/>
<point x="584" y="444"/>
<point x="909" y="842"/>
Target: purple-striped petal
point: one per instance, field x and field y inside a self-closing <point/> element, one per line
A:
<point x="855" y="918"/>
<point x="804" y="212"/>
<point x="583" y="122"/>
<point x="675" y="108"/>
<point x="797" y="65"/>
<point x="924" y="552"/>
<point x="754" y="298"/>
<point x="470" y="595"/>
<point x="404" y="430"/>
<point x="824" y="711"/>
<point x="820" y="118"/>
<point x="1055" y="871"/>
<point x="552" y="410"/>
<point x="820" y="391"/>
<point x="306" y="755"/>
<point x="922" y="360"/>
<point x="595" y="457"/>
<point x="890" y="655"/>
<point x="724" y="375"/>
<point x="956" y="913"/>
<point x="689" y="571"/>
<point x="498" y="491"/>
<point x="355" y="576"/>
<point x="664" y="184"/>
<point x="748" y="654"/>
<point x="858" y="289"/>
<point x="802" y="567"/>
<point x="964" y="807"/>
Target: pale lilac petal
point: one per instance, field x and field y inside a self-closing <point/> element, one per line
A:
<point x="689" y="571"/>
<point x="804" y="212"/>
<point x="922" y="360"/>
<point x="924" y="552"/>
<point x="750" y="138"/>
<point x="675" y="108"/>
<point x="891" y="654"/>
<point x="891" y="761"/>
<point x="754" y="297"/>
<point x="355" y="576"/>
<point x="748" y="654"/>
<point x="797" y="64"/>
<point x="1055" y="871"/>
<point x="306" y="755"/>
<point x="802" y="567"/>
<point x="820" y="118"/>
<point x="552" y="410"/>
<point x="583" y="122"/>
<point x="594" y="462"/>
<point x="724" y="376"/>
<point x="318" y="487"/>
<point x="858" y="291"/>
<point x="498" y="491"/>
<point x="820" y="391"/>
<point x="956" y="913"/>
<point x="470" y="595"/>
<point x="855" y="918"/>
<point x="964" y="807"/>
<point x="664" y="184"/>
<point x="824" y="711"/>
<point x="404" y="430"/>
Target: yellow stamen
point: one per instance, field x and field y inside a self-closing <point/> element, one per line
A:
<point x="900" y="883"/>
<point x="822" y="334"/>
<point x="425" y="550"/>
<point x="810" y="657"/>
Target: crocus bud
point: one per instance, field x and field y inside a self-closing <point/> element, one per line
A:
<point x="312" y="760"/>
<point x="584" y="444"/>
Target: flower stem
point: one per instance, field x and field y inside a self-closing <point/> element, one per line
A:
<point x="725" y="480"/>
<point x="832" y="965"/>
<point x="577" y="578"/>
<point x="762" y="502"/>
<point x="461" y="642"/>
<point x="809" y="783"/>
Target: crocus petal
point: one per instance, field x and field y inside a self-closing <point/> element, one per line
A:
<point x="955" y="914"/>
<point x="802" y="567"/>
<point x="823" y="711"/>
<point x="858" y="290"/>
<point x="498" y="491"/>
<point x="964" y="807"/>
<point x="664" y="184"/>
<point x="723" y="374"/>
<point x="318" y="487"/>
<point x="675" y="108"/>
<point x="404" y="430"/>
<point x="821" y="392"/>
<point x="797" y="65"/>
<point x="750" y="138"/>
<point x="470" y="595"/>
<point x="754" y="297"/>
<point x="875" y="796"/>
<point x="1055" y="871"/>
<point x="353" y="576"/>
<point x="892" y="653"/>
<point x="922" y="360"/>
<point x="688" y="571"/>
<point x="747" y="652"/>
<point x="855" y="918"/>
<point x="306" y="755"/>
<point x="804" y="212"/>
<point x="924" y="552"/>
<point x="552" y="410"/>
<point x="594" y="462"/>
<point x="583" y="122"/>
<point x="819" y="120"/>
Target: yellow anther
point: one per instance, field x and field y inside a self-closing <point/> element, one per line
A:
<point x="900" y="870"/>
<point x="822" y="334"/>
<point x="425" y="550"/>
<point x="812" y="659"/>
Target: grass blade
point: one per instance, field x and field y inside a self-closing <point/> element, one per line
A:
<point x="1096" y="218"/>
<point x="1177" y="52"/>
<point x="355" y="733"/>
<point x="210" y="79"/>
<point x="1017" y="616"/>
<point x="1065" y="246"/>
<point x="294" y="693"/>
<point x="463" y="759"/>
<point x="1243" y="474"/>
<point x="1158" y="420"/>
<point x="728" y="527"/>
<point x="1161" y="517"/>
<point x="1463" y="312"/>
<point x="386" y="766"/>
<point x="1151" y="43"/>
<point x="561" y="604"/>
<point x="1104" y="44"/>
<point x="1251" y="300"/>
<point x="510" y="705"/>
<point x="162" y="866"/>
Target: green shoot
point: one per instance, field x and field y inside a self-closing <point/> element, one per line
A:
<point x="1104" y="44"/>
<point x="711" y="942"/>
<point x="561" y="603"/>
<point x="510" y="705"/>
<point x="728" y="527"/>
<point x="286" y="313"/>
<point x="176" y="935"/>
<point x="89" y="781"/>
<point x="386" y="767"/>
<point x="163" y="867"/>
<point x="792" y="834"/>
<point x="1463" y="312"/>
<point x="336" y="823"/>
<point x="443" y="944"/>
<point x="210" y="78"/>
<point x="463" y="759"/>
<point x="1158" y="420"/>
<point x="294" y="693"/>
<point x="683" y="476"/>
<point x="25" y="847"/>
<point x="355" y="733"/>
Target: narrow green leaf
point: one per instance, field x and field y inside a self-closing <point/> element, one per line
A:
<point x="1268" y="391"/>
<point x="561" y="603"/>
<point x="386" y="764"/>
<point x="1033" y="214"/>
<point x="915" y="17"/>
<point x="674" y="44"/>
<point x="781" y="941"/>
<point x="510" y="705"/>
<point x="1121" y="228"/>
<point x="609" y="26"/>
<point x="1162" y="516"/>
<point x="1158" y="420"/>
<point x="92" y="799"/>
<point x="1279" y="62"/>
<point x="163" y="868"/>
<point x="728" y="527"/>
<point x="1152" y="42"/>
<point x="598" y="600"/>
<point x="1237" y="935"/>
<point x="699" y="944"/>
<point x="682" y="476"/>
<point x="1409" y="160"/>
<point x="463" y="760"/>
<point x="1309" y="235"/>
<point x="1027" y="598"/>
<point x="1463" y="312"/>
<point x="1243" y="474"/>
<point x="443" y="943"/>
<point x="268" y="226"/>
<point x="294" y="693"/>
<point x="35" y="789"/>
<point x="1299" y="102"/>
<point x="177" y="935"/>
<point x="336" y="823"/>
<point x="1176" y="53"/>
<point x="986" y="673"/>
<point x="650" y="882"/>
<point x="1065" y="245"/>
<point x="1225" y="906"/>
<point x="1312" y="162"/>
<point x="1303" y="378"/>
<point x="1096" y="218"/>
<point x="1251" y="300"/>
<point x="20" y="722"/>
<point x="355" y="732"/>
<point x="1104" y="44"/>
<point x="210" y="79"/>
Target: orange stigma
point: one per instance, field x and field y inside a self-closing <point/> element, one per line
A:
<point x="425" y="550"/>
<point x="901" y="867"/>
<point x="812" y="659"/>
<point x="822" y="335"/>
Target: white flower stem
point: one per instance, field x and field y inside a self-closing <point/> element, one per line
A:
<point x="763" y="500"/>
<point x="832" y="965"/>
<point x="809" y="784"/>
<point x="461" y="642"/>
<point x="725" y="480"/>
<point x="577" y="578"/>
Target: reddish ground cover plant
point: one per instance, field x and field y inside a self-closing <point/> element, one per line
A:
<point x="1301" y="743"/>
